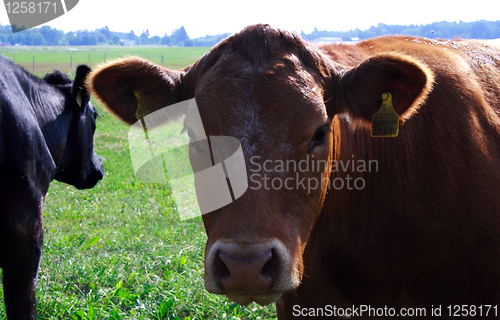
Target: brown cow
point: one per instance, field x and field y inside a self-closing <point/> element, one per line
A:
<point x="411" y="221"/>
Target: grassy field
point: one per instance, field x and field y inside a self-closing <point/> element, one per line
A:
<point x="67" y="58"/>
<point x="119" y="250"/>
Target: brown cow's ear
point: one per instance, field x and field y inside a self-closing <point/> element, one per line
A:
<point x="119" y="85"/>
<point x="408" y="80"/>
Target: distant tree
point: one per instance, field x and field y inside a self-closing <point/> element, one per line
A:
<point x="72" y="39"/>
<point x="115" y="39"/>
<point x="101" y="38"/>
<point x="18" y="37"/>
<point x="93" y="40"/>
<point x="480" y="30"/>
<point x="155" y="40"/>
<point x="84" y="40"/>
<point x="166" y="40"/>
<point x="105" y="31"/>
<point x="145" y="34"/>
<point x="427" y="31"/>
<point x="28" y="37"/>
<point x="88" y="40"/>
<point x="209" y="41"/>
<point x="38" y="39"/>
<point x="144" y="37"/>
<point x="179" y="35"/>
<point x="51" y="36"/>
<point x="131" y="35"/>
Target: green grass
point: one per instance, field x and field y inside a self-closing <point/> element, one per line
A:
<point x="119" y="250"/>
<point x="67" y="58"/>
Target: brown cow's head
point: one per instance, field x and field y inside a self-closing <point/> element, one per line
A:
<point x="278" y="96"/>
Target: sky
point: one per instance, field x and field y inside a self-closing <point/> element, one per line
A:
<point x="210" y="17"/>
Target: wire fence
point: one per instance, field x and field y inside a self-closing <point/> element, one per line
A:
<point x="40" y="66"/>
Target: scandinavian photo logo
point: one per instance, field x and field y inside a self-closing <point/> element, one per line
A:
<point x="205" y="173"/>
<point x="29" y="14"/>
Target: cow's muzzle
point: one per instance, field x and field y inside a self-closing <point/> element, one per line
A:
<point x="247" y="272"/>
<point x="92" y="174"/>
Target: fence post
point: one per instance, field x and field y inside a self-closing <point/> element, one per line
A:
<point x="71" y="63"/>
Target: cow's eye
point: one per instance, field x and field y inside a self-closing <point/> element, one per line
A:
<point x="318" y="138"/>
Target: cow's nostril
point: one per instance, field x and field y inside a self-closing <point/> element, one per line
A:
<point x="221" y="273"/>
<point x="270" y="271"/>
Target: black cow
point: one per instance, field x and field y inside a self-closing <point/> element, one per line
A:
<point x="46" y="132"/>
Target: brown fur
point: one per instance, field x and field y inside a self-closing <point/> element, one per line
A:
<point x="423" y="232"/>
<point x="118" y="91"/>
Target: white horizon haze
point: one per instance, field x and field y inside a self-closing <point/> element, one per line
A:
<point x="201" y="18"/>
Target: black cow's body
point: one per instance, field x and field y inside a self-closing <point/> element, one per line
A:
<point x="44" y="135"/>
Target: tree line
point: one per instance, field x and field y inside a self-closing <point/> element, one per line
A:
<point x="47" y="36"/>
<point x="481" y="29"/>
<point x="179" y="37"/>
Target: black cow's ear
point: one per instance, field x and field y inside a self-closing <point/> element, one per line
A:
<point x="79" y="91"/>
<point x="123" y="83"/>
<point x="408" y="80"/>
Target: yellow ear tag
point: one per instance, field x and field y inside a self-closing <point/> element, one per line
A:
<point x="142" y="107"/>
<point x="385" y="122"/>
